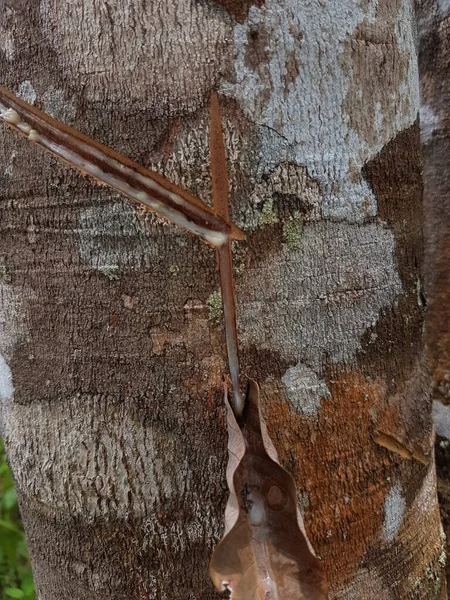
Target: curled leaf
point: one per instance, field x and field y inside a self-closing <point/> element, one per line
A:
<point x="265" y="553"/>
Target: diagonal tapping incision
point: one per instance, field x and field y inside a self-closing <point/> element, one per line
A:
<point x="149" y="189"/>
<point x="106" y="166"/>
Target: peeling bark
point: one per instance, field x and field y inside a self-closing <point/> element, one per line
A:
<point x="111" y="368"/>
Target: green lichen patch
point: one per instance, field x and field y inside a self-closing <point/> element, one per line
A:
<point x="5" y="277"/>
<point x="268" y="216"/>
<point x="111" y="271"/>
<point x="238" y="257"/>
<point x="292" y="231"/>
<point x="215" y="307"/>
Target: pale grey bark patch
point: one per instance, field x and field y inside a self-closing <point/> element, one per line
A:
<point x="111" y="237"/>
<point x="27" y="92"/>
<point x="299" y="91"/>
<point x="314" y="304"/>
<point x="441" y="419"/>
<point x="7" y="43"/>
<point x="304" y="390"/>
<point x="429" y="122"/>
<point x="394" y="512"/>
<point x="444" y="6"/>
<point x="273" y="150"/>
<point x="11" y="319"/>
<point x="6" y="388"/>
<point x="57" y="106"/>
<point x="108" y="464"/>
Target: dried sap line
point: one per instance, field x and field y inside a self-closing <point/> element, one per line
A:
<point x="105" y="165"/>
<point x="265" y="552"/>
<point x="220" y="194"/>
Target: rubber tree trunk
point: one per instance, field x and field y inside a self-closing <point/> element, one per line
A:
<point x="434" y="63"/>
<point x="112" y="343"/>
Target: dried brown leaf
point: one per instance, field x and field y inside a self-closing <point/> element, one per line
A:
<point x="265" y="553"/>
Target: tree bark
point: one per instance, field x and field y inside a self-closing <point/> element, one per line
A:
<point x="112" y="345"/>
<point x="434" y="62"/>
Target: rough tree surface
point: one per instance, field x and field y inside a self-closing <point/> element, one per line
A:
<point x="112" y="348"/>
<point x="434" y="63"/>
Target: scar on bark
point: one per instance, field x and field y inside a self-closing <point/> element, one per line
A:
<point x="391" y="443"/>
<point x="150" y="190"/>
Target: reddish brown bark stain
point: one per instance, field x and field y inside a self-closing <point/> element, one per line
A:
<point x="239" y="8"/>
<point x="346" y="510"/>
<point x="345" y="514"/>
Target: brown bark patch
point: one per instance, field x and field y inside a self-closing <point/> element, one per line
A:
<point x="239" y="8"/>
<point x="395" y="177"/>
<point x="442" y="449"/>
<point x="257" y="52"/>
<point x="434" y="61"/>
<point x="379" y="65"/>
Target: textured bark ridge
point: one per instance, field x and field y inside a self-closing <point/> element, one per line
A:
<point x="112" y="354"/>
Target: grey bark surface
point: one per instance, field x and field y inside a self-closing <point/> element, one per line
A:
<point x="112" y="348"/>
